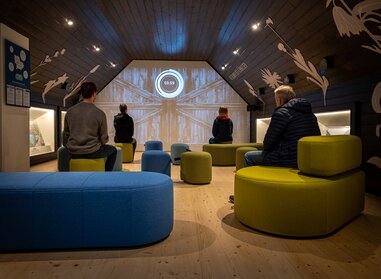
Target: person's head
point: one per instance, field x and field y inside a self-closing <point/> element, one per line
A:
<point x="223" y="111"/>
<point x="88" y="91"/>
<point x="283" y="94"/>
<point x="123" y="108"/>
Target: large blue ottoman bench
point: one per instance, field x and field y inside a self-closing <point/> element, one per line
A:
<point x="71" y="210"/>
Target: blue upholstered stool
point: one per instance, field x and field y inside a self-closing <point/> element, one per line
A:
<point x="77" y="210"/>
<point x="156" y="161"/>
<point x="176" y="150"/>
<point x="118" y="162"/>
<point x="153" y="145"/>
<point x="63" y="159"/>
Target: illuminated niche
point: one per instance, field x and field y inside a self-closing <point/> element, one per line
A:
<point x="330" y="123"/>
<point x="41" y="131"/>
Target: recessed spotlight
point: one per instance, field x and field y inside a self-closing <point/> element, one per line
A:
<point x="112" y="65"/>
<point x="236" y="52"/>
<point x="69" y="22"/>
<point x="223" y="68"/>
<point x="96" y="48"/>
<point x="255" y="26"/>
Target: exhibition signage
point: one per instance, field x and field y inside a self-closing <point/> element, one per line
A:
<point x="17" y="75"/>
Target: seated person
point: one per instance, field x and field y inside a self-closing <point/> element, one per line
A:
<point x="292" y="120"/>
<point x="222" y="127"/>
<point x="85" y="129"/>
<point x="124" y="127"/>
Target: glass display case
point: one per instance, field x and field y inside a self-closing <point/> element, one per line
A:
<point x="63" y="113"/>
<point x="330" y="123"/>
<point x="41" y="131"/>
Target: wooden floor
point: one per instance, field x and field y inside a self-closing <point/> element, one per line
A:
<point x="208" y="242"/>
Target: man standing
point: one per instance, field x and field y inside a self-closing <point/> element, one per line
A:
<point x="85" y="129"/>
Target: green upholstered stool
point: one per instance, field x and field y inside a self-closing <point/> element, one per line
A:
<point x="325" y="194"/>
<point x="196" y="167"/>
<point x="240" y="154"/>
<point x="224" y="154"/>
<point x="127" y="152"/>
<point x="97" y="164"/>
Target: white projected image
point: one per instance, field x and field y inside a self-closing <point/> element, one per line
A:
<point x="185" y="118"/>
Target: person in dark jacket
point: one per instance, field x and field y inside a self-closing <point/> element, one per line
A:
<point x="124" y="127"/>
<point x="222" y="127"/>
<point x="291" y="120"/>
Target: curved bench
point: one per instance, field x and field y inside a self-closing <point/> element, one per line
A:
<point x="325" y="194"/>
<point x="84" y="209"/>
<point x="224" y="154"/>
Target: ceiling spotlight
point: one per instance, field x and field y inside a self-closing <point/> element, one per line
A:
<point x="223" y="68"/>
<point x="113" y="65"/>
<point x="236" y="52"/>
<point x="255" y="26"/>
<point x="69" y="22"/>
<point x="96" y="48"/>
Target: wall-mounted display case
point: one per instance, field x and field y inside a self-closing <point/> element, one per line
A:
<point x="330" y="123"/>
<point x="41" y="131"/>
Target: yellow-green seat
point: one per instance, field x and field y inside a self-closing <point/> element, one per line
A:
<point x="224" y="154"/>
<point x="127" y="152"/>
<point x="290" y="202"/>
<point x="196" y="167"/>
<point x="97" y="164"/>
<point x="240" y="154"/>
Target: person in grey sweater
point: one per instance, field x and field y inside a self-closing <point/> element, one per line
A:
<point x="85" y="129"/>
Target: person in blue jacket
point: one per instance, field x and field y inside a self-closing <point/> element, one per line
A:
<point x="292" y="119"/>
<point x="222" y="127"/>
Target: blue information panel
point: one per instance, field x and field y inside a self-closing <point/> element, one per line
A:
<point x="17" y="75"/>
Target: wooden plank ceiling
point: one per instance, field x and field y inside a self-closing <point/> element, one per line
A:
<point x="173" y="30"/>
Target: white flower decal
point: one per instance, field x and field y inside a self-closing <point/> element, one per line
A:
<point x="271" y="79"/>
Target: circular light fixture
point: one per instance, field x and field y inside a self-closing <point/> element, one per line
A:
<point x="169" y="83"/>
<point x="69" y="22"/>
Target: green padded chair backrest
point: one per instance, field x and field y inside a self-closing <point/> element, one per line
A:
<point x="329" y="155"/>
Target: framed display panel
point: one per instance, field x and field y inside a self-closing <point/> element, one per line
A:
<point x="17" y="75"/>
<point x="42" y="134"/>
<point x="336" y="122"/>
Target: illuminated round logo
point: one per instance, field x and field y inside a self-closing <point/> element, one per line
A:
<point x="169" y="83"/>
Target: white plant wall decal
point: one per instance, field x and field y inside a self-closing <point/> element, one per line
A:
<point x="353" y="22"/>
<point x="51" y="83"/>
<point x="300" y="62"/>
<point x="255" y="93"/>
<point x="273" y="80"/>
<point x="78" y="84"/>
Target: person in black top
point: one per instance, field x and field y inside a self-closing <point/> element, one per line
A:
<point x="222" y="127"/>
<point x="124" y="127"/>
<point x="291" y="120"/>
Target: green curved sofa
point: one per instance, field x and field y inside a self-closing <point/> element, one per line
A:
<point x="224" y="154"/>
<point x="325" y="193"/>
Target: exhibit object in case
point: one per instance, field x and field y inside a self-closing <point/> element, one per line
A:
<point x="41" y="131"/>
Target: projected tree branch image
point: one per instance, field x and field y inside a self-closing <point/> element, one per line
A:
<point x="175" y="102"/>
